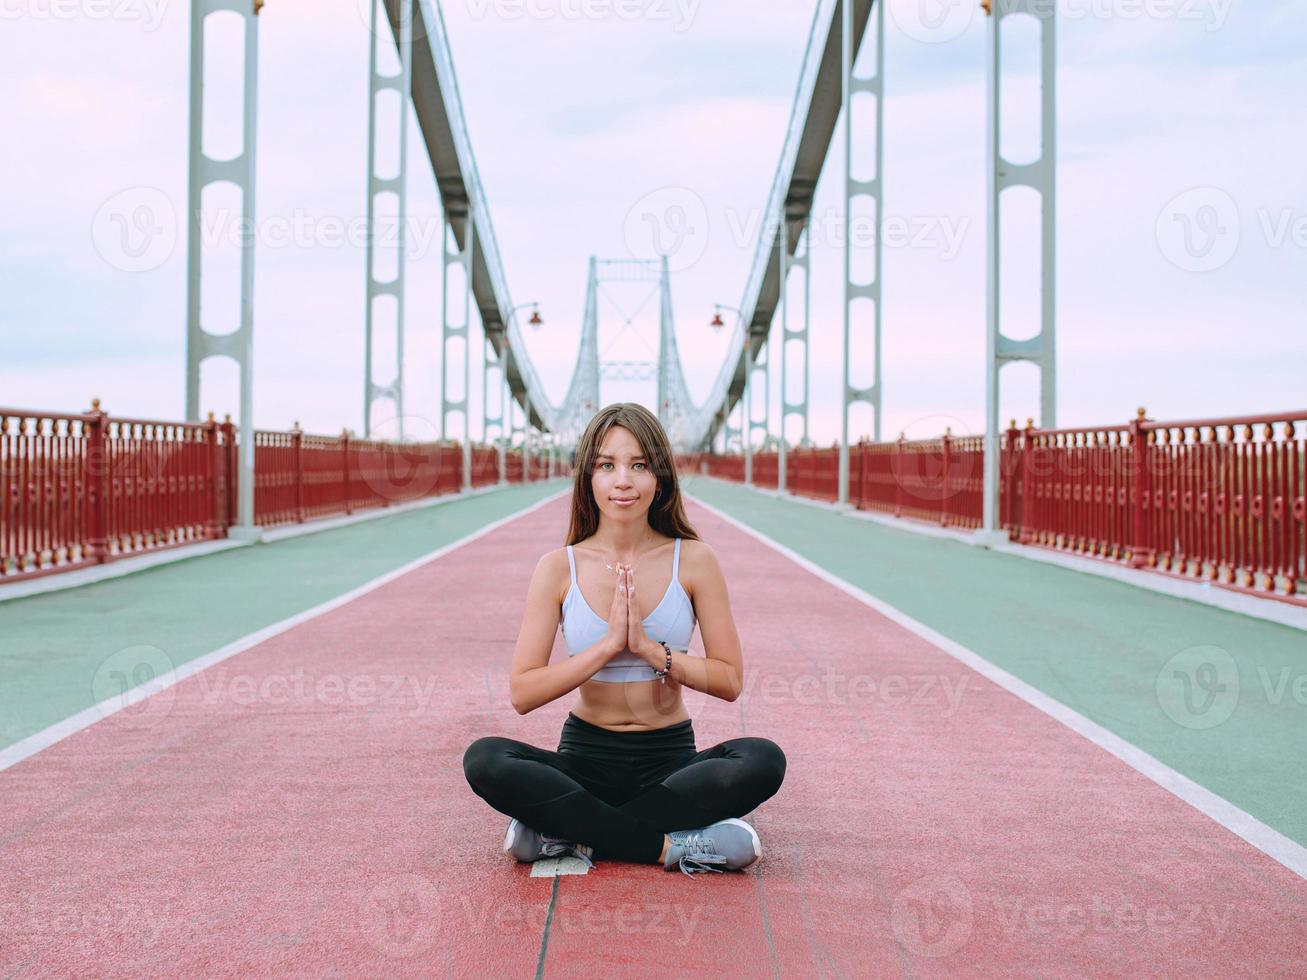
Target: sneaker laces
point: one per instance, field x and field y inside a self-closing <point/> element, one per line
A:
<point x="698" y="855"/>
<point x="557" y="847"/>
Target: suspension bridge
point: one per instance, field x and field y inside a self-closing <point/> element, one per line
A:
<point x="1042" y="690"/>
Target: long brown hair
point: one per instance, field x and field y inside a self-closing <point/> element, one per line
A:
<point x="667" y="512"/>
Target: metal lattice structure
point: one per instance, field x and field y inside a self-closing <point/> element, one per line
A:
<point x="427" y="85"/>
<point x="818" y="105"/>
<point x="676" y="409"/>
<point x="379" y="85"/>
<point x="1038" y="175"/>
<point x="202" y="343"/>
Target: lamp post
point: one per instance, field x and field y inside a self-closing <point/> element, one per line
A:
<point x="746" y="403"/>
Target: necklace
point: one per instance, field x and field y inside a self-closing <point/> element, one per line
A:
<point x="613" y="568"/>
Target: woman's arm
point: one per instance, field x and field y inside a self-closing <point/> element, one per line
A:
<point x="531" y="687"/>
<point x="720" y="671"/>
<point x="532" y="680"/>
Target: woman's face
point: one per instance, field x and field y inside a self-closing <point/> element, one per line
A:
<point x="622" y="473"/>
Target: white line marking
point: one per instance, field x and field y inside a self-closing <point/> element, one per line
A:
<point x="1266" y="839"/>
<point x="47" y="737"/>
<point x="553" y="867"/>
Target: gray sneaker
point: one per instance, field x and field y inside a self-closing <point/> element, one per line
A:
<point x="527" y="845"/>
<point x="730" y="843"/>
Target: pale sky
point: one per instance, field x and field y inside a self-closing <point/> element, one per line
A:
<point x="1175" y="118"/>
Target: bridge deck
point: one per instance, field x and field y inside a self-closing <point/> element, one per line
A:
<point x="299" y="806"/>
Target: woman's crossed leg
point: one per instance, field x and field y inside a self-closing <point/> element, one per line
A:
<point x="569" y="796"/>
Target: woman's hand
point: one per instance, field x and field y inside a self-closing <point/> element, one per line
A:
<point x="615" y="638"/>
<point x="636" y="638"/>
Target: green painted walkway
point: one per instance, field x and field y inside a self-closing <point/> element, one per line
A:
<point x="52" y="645"/>
<point x="1217" y="696"/>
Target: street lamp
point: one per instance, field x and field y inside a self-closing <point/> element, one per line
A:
<point x="716" y="323"/>
<point x="534" y="319"/>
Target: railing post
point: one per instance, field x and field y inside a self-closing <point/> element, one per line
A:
<point x="943" y="500"/>
<point x="213" y="526"/>
<point x="297" y="449"/>
<point x="1007" y="482"/>
<point x="1141" y="554"/>
<point x="344" y="469"/>
<point x="1295" y="510"/>
<point x="898" y="477"/>
<point x="862" y="472"/>
<point x="1024" y="522"/>
<point x="230" y="473"/>
<point x="97" y="483"/>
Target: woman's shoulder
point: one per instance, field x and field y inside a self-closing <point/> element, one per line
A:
<point x="553" y="567"/>
<point x="698" y="560"/>
<point x="555" y="559"/>
<point x="696" y="549"/>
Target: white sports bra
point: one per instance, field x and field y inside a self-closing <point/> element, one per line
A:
<point x="672" y="621"/>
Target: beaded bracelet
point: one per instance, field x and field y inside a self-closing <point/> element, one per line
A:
<point x="662" y="674"/>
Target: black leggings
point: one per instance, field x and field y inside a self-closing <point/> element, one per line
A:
<point x="620" y="792"/>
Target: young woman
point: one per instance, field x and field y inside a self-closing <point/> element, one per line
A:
<point x="627" y="782"/>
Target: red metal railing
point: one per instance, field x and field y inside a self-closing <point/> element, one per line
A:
<point x="933" y="479"/>
<point x="82" y="489"/>
<point x="1218" y="500"/>
<point x="151" y="484"/>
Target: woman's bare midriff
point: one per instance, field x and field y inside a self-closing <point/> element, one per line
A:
<point x="635" y="706"/>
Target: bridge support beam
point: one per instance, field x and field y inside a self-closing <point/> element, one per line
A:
<point x="797" y="336"/>
<point x="731" y="433"/>
<point x="237" y="344"/>
<point x="505" y="418"/>
<point x="378" y="184"/>
<point x="460" y="257"/>
<point x="872" y="187"/>
<point x="496" y="420"/>
<point x="752" y="370"/>
<point x="526" y="437"/>
<point x="764" y="424"/>
<point x="1038" y="175"/>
